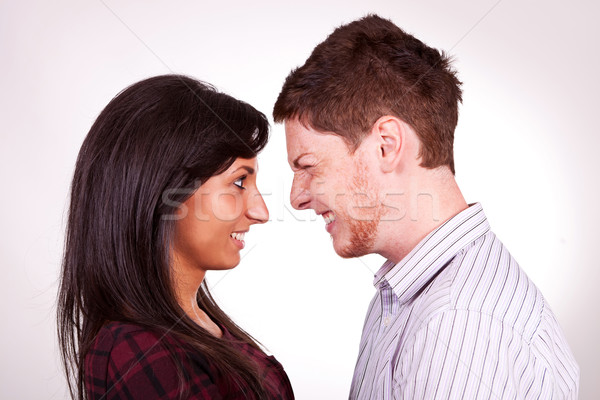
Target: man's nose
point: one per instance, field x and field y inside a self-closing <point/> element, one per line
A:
<point x="299" y="195"/>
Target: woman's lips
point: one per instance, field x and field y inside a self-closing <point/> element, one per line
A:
<point x="238" y="239"/>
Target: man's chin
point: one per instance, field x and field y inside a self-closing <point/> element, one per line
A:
<point x="350" y="251"/>
<point x="356" y="241"/>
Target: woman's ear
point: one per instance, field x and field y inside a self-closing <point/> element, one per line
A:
<point x="389" y="132"/>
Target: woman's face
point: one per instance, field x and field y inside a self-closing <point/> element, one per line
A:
<point x="209" y="231"/>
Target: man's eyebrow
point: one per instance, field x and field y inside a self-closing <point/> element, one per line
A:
<point x="249" y="169"/>
<point x="296" y="162"/>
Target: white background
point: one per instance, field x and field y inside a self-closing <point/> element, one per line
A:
<point x="526" y="147"/>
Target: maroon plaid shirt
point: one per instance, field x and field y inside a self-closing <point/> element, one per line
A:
<point x="131" y="362"/>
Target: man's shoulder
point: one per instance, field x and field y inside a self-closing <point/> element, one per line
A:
<point x="488" y="280"/>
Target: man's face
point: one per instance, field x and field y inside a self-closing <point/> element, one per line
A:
<point x="336" y="184"/>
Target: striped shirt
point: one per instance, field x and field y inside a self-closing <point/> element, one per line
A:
<point x="457" y="318"/>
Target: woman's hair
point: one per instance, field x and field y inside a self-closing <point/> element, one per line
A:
<point x="145" y="154"/>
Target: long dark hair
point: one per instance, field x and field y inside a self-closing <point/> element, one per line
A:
<point x="145" y="155"/>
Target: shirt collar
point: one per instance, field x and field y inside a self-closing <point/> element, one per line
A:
<point x="410" y="275"/>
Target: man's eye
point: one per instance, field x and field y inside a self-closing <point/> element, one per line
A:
<point x="240" y="182"/>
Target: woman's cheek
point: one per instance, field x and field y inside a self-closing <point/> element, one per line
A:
<point x="228" y="207"/>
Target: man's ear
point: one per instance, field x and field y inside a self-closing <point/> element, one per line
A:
<point x="390" y="133"/>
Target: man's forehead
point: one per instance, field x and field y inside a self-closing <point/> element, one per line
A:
<point x="303" y="137"/>
<point x="298" y="140"/>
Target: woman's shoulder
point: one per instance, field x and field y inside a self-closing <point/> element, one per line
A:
<point x="121" y="343"/>
<point x="121" y="328"/>
<point x="127" y="340"/>
<point x="117" y="332"/>
<point x="132" y="358"/>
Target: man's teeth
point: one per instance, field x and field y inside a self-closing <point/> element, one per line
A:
<point x="329" y="217"/>
<point x="237" y="236"/>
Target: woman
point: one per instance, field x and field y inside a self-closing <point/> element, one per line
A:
<point x="164" y="189"/>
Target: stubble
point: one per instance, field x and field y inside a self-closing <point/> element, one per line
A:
<point x="363" y="222"/>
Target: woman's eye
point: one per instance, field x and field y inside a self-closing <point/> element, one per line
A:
<point x="240" y="182"/>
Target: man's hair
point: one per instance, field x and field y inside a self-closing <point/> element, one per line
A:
<point x="370" y="68"/>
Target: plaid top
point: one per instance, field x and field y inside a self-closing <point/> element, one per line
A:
<point x="130" y="362"/>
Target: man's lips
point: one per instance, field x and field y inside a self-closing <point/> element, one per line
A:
<point x="328" y="216"/>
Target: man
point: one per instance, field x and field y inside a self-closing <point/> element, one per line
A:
<point x="369" y="121"/>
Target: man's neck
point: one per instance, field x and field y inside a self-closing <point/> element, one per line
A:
<point x="427" y="203"/>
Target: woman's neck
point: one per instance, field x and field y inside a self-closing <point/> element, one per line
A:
<point x="196" y="314"/>
<point x="186" y="290"/>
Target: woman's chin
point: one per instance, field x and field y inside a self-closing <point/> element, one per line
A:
<point x="232" y="263"/>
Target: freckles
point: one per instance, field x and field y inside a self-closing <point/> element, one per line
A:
<point x="360" y="207"/>
<point x="227" y="206"/>
<point x="337" y="201"/>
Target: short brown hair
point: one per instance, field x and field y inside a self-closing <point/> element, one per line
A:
<point x="370" y="68"/>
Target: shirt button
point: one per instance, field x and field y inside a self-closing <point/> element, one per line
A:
<point x="386" y="321"/>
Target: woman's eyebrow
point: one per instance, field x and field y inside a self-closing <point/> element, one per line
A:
<point x="249" y="169"/>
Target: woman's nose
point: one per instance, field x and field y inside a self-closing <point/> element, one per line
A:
<point x="257" y="209"/>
